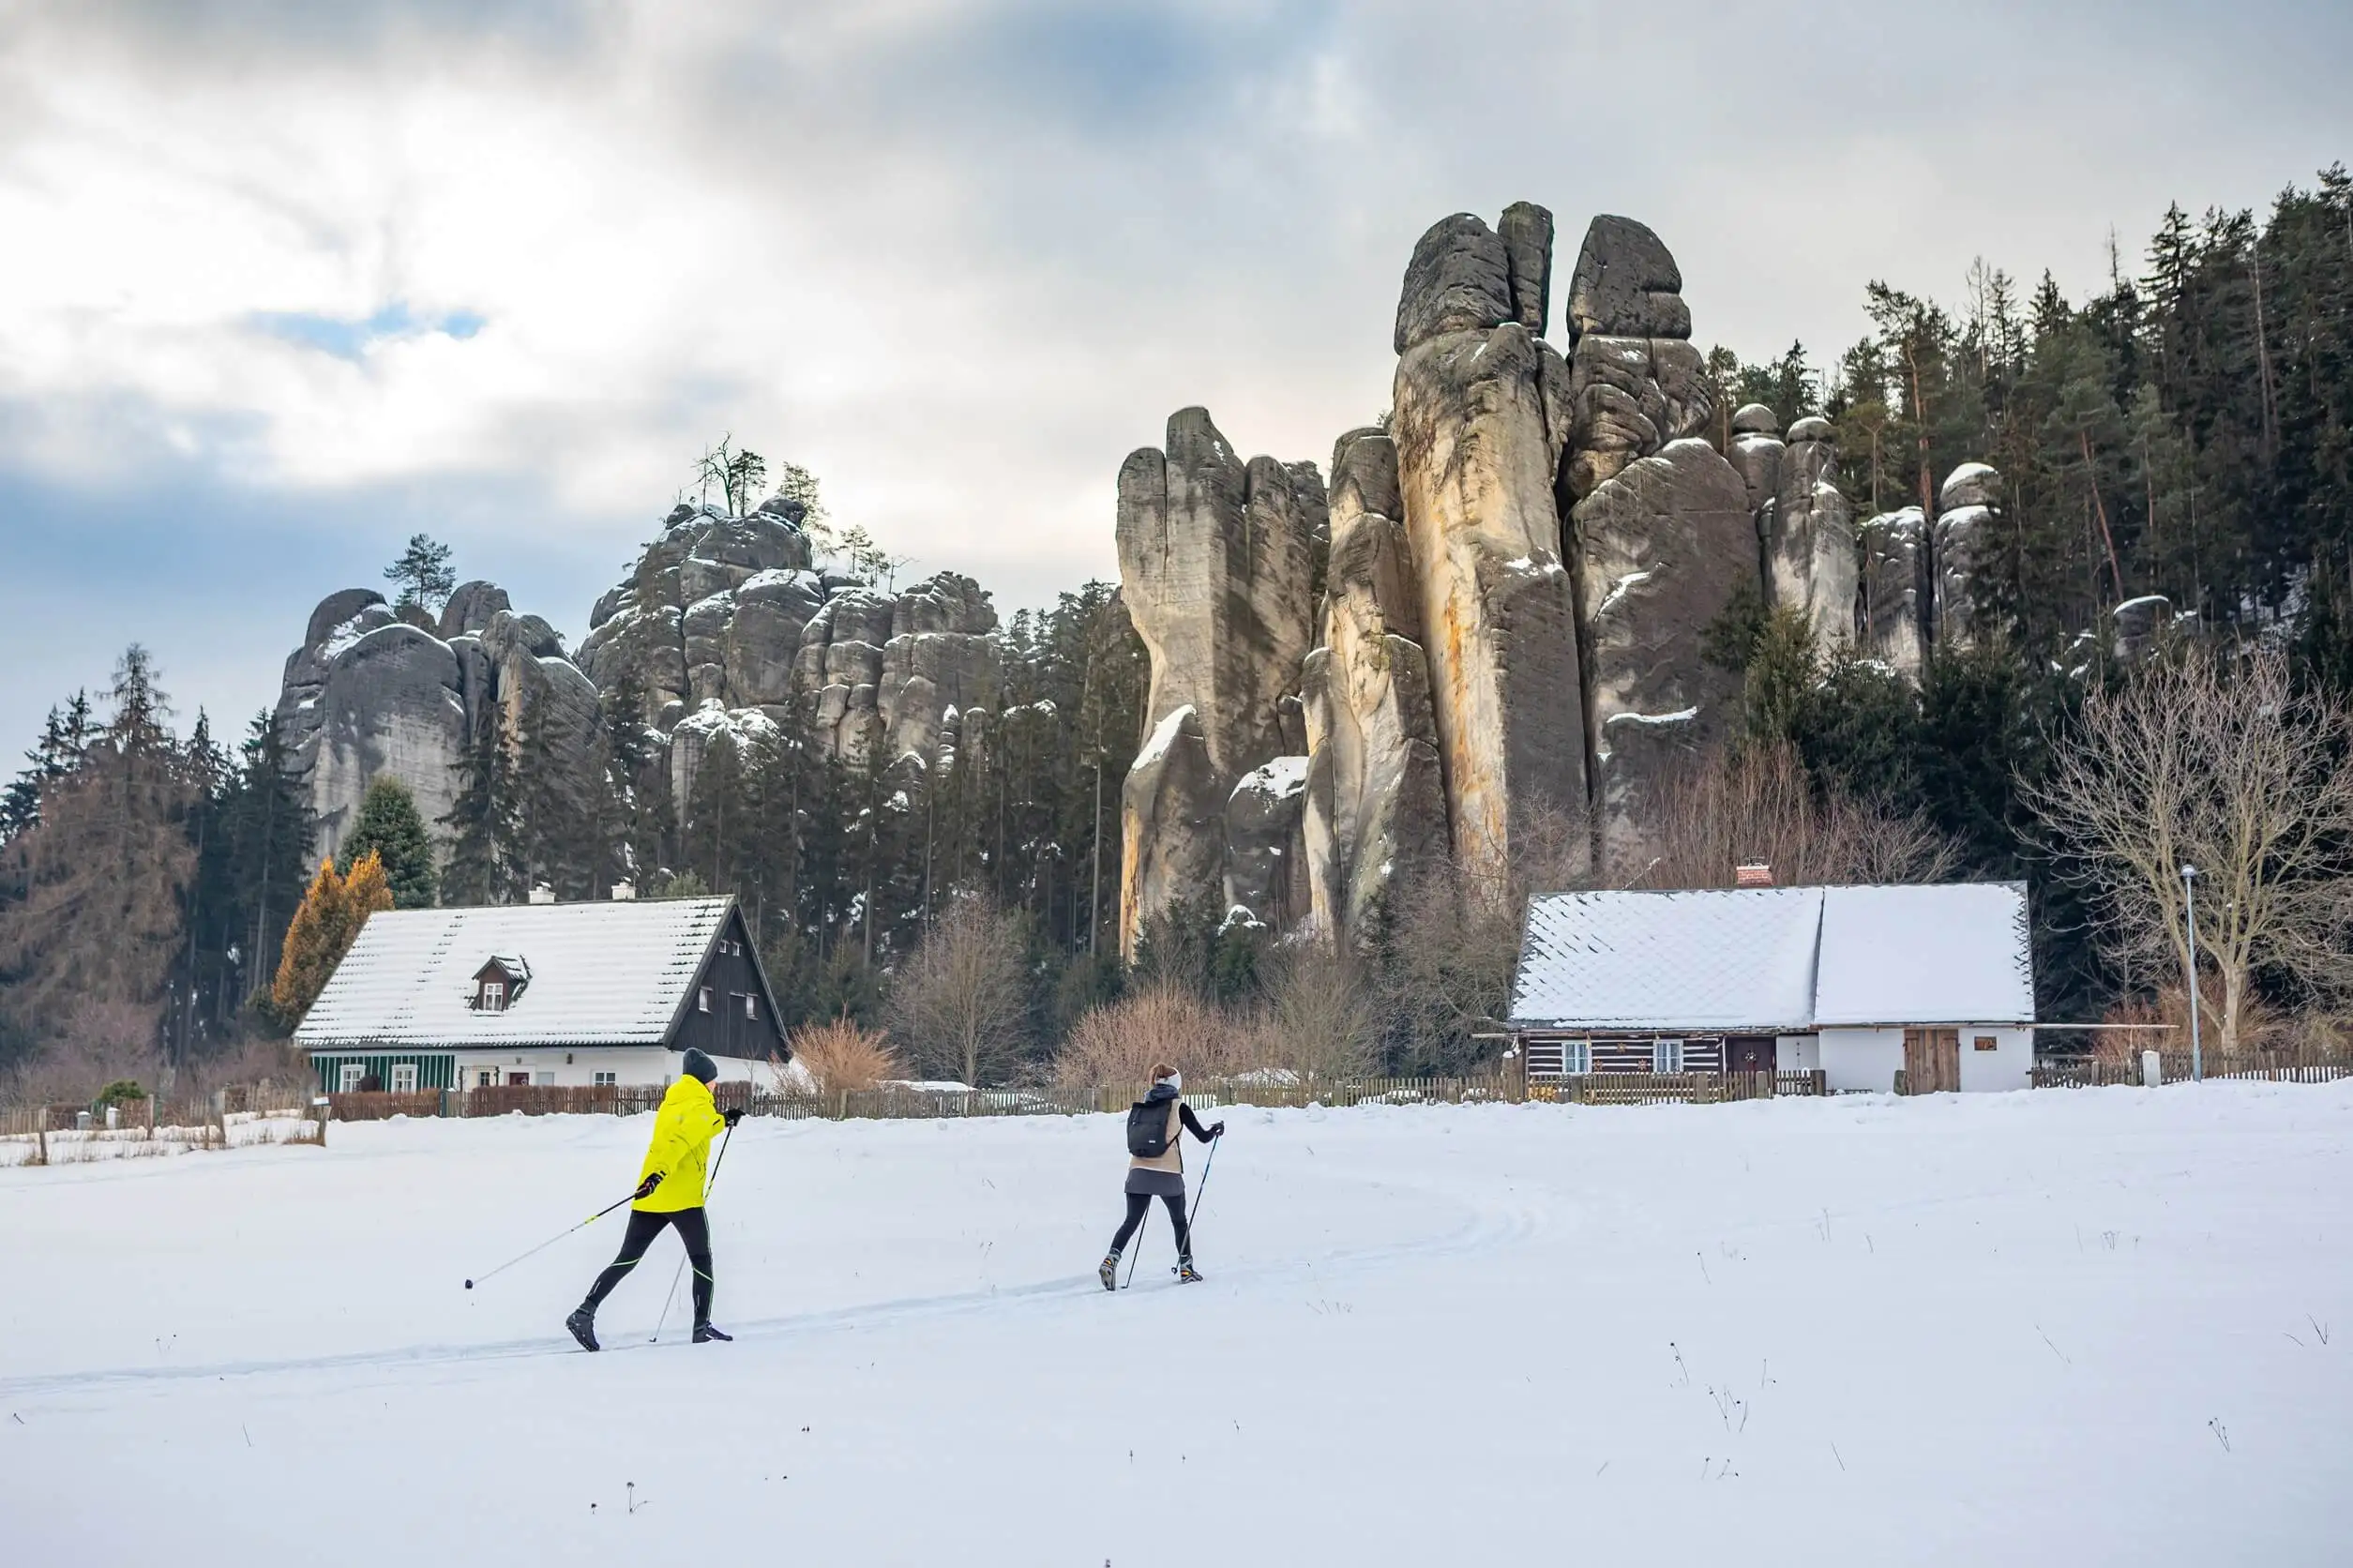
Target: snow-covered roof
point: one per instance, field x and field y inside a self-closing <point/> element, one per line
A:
<point x="1957" y="953"/>
<point x="1775" y="959"/>
<point x="1714" y="958"/>
<point x="606" y="973"/>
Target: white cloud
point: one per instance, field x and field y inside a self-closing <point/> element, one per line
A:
<point x="960" y="257"/>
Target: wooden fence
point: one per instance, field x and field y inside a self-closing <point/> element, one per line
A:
<point x="2258" y="1066"/>
<point x="1651" y="1089"/>
<point x="46" y="1135"/>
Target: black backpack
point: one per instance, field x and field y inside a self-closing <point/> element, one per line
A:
<point x="1147" y="1128"/>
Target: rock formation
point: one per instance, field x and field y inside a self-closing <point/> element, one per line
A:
<point x="1481" y="417"/>
<point x="1756" y="455"/>
<point x="885" y="670"/>
<point x="725" y="617"/>
<point x="1966" y="505"/>
<point x="1810" y="560"/>
<point x="1376" y="801"/>
<point x="1635" y="382"/>
<point x="1217" y="562"/>
<point x="713" y="610"/>
<point x="2140" y="626"/>
<point x="1888" y="612"/>
<point x="370" y="692"/>
<point x="1662" y="547"/>
<point x="1663" y="531"/>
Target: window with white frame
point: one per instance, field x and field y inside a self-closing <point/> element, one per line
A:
<point x="348" y="1076"/>
<point x="1666" y="1056"/>
<point x="1548" y="1060"/>
<point x="751" y="1005"/>
<point x="404" y="1078"/>
<point x="608" y="1080"/>
<point x="702" y="999"/>
<point x="493" y="996"/>
<point x="543" y="1080"/>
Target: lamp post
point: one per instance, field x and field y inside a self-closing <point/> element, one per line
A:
<point x="2189" y="890"/>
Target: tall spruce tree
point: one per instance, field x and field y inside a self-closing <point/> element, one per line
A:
<point x="390" y="828"/>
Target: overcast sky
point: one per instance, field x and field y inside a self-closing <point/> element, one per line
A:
<point x="283" y="282"/>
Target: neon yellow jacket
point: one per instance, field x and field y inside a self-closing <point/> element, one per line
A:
<point x="681" y="1150"/>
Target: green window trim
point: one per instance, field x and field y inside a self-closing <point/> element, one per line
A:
<point x="435" y="1069"/>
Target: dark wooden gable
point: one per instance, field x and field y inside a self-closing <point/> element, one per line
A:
<point x="713" y="1017"/>
<point x="509" y="977"/>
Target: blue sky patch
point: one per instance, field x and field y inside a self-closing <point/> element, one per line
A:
<point x="349" y="338"/>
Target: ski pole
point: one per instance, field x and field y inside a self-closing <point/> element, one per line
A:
<point x="1144" y="1226"/>
<point x="1185" y="1242"/>
<point x="557" y="1237"/>
<point x="1202" y="1191"/>
<point x="708" y="1187"/>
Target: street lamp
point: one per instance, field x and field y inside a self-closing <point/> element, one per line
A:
<point x="2189" y="889"/>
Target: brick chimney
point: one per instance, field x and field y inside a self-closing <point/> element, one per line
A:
<point x="1754" y="874"/>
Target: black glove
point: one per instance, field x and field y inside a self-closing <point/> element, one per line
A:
<point x="645" y="1188"/>
<point x="1216" y="1129"/>
<point x="732" y="1115"/>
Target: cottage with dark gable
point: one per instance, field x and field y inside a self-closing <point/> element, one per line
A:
<point x="544" y="994"/>
<point x="1859" y="984"/>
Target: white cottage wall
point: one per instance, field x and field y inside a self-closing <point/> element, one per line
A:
<point x="1797" y="1053"/>
<point x="1861" y="1059"/>
<point x="632" y="1067"/>
<point x="2009" y="1065"/>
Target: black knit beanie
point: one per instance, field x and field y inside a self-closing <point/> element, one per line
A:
<point x="700" y="1066"/>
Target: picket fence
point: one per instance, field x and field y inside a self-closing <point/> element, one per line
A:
<point x="2259" y="1066"/>
<point x="231" y="1118"/>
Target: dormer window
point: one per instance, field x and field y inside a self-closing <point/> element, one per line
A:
<point x="498" y="984"/>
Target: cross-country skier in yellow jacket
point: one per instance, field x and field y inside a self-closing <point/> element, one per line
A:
<point x="670" y="1192"/>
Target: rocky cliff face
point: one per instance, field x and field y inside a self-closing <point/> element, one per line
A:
<point x="1217" y="562"/>
<point x="725" y="617"/>
<point x="1375" y="797"/>
<point x="1662" y="547"/>
<point x="1482" y="413"/>
<point x="370" y="692"/>
<point x="713" y="612"/>
<point x="1967" y="508"/>
<point x="1523" y="562"/>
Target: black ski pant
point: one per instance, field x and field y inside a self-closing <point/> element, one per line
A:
<point x="644" y="1225"/>
<point x="1138" y="1205"/>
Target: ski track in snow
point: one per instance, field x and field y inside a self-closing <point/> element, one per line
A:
<point x="2058" y="1327"/>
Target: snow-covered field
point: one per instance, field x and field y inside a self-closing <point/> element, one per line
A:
<point x="2100" y="1326"/>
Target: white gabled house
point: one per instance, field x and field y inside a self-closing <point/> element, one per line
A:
<point x="1856" y="982"/>
<point x="560" y="995"/>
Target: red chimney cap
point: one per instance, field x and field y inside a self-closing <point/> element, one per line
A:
<point x="1754" y="874"/>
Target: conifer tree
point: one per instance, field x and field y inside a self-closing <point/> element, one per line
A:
<point x="390" y="827"/>
<point x="480" y="867"/>
<point x="323" y="932"/>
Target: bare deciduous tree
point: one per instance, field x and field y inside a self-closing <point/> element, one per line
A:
<point x="843" y="1056"/>
<point x="1759" y="806"/>
<point x="960" y="1000"/>
<point x="1319" y="1020"/>
<point x="2227" y="768"/>
<point x="1118" y="1043"/>
<point x="1453" y="942"/>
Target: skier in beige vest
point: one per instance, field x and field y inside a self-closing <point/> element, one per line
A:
<point x="1156" y="1168"/>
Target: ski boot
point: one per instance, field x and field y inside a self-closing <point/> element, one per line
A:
<point x="1109" y="1272"/>
<point x="582" y="1322"/>
<point x="705" y="1332"/>
<point x="1187" y="1273"/>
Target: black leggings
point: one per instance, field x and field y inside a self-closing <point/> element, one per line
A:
<point x="1140" y="1204"/>
<point x="644" y="1225"/>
